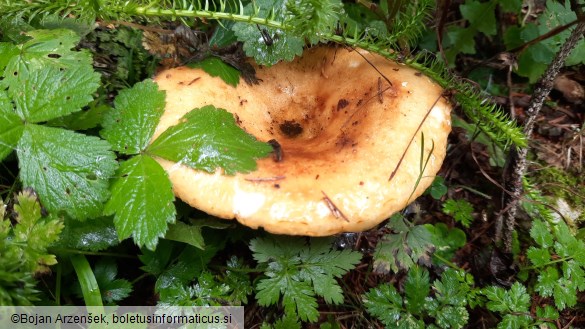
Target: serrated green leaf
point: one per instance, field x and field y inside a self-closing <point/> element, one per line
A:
<point x="516" y="299"/>
<point x="155" y="262"/>
<point x="190" y="263"/>
<point x="385" y="303"/>
<point x="47" y="48"/>
<point x="237" y="278"/>
<point x="540" y="232"/>
<point x="547" y="280"/>
<point x="93" y="234"/>
<point x="548" y="312"/>
<point x="565" y="294"/>
<point x="217" y="68"/>
<point x="7" y="52"/>
<point x="208" y="138"/>
<point x="11" y="126"/>
<point x="519" y="298"/>
<point x="285" y="45"/>
<point x="511" y="321"/>
<point x="461" y="210"/>
<point x="111" y="288"/>
<point x="416" y="289"/>
<point x="573" y="272"/>
<point x="538" y="256"/>
<point x="446" y="241"/>
<point x="298" y="271"/>
<point x="453" y="288"/>
<point x="452" y="317"/>
<point x="33" y="233"/>
<point x="48" y="93"/>
<point x="189" y="234"/>
<point x="481" y="15"/>
<point x="68" y="170"/>
<point x="139" y="212"/>
<point x="129" y="127"/>
<point x="403" y="249"/>
<point x="82" y="120"/>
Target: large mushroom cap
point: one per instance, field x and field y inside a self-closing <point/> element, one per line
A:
<point x="342" y="128"/>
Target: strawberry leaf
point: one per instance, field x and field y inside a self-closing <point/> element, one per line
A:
<point x="50" y="93"/>
<point x="208" y="138"/>
<point x="11" y="126"/>
<point x="217" y="68"/>
<point x="68" y="170"/>
<point x="130" y="126"/>
<point x="142" y="201"/>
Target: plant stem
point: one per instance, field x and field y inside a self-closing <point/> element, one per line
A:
<point x="516" y="163"/>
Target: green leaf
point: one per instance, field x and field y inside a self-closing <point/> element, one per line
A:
<point x="129" y="127"/>
<point x="139" y="212"/>
<point x="416" y="289"/>
<point x="11" y="126"/>
<point x="481" y="15"/>
<point x="190" y="263"/>
<point x="33" y="233"/>
<point x="385" y="303"/>
<point x="156" y="261"/>
<point x="446" y="241"/>
<point x="565" y="294"/>
<point x="189" y="234"/>
<point x="68" y="170"/>
<point x="46" y="49"/>
<point x="538" y="256"/>
<point x="547" y="280"/>
<point x="402" y="250"/>
<point x="217" y="68"/>
<point x="82" y="120"/>
<point x="461" y="210"/>
<point x="285" y="45"/>
<point x="507" y="301"/>
<point x="93" y="234"/>
<point x="540" y="232"/>
<point x="89" y="287"/>
<point x="112" y="289"/>
<point x="208" y="138"/>
<point x="299" y="271"/>
<point x="437" y="188"/>
<point x="47" y="93"/>
<point x="312" y="18"/>
<point x="510" y="321"/>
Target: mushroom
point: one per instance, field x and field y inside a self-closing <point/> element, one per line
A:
<point x="351" y="132"/>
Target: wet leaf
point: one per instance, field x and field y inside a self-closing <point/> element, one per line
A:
<point x="142" y="201"/>
<point x="217" y="68"/>
<point x="208" y="138"/>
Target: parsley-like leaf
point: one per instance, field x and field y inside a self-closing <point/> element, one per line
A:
<point x="208" y="138"/>
<point x="217" y="68"/>
<point x="461" y="210"/>
<point x="67" y="169"/>
<point x="404" y="248"/>
<point x="129" y="127"/>
<point x="541" y="234"/>
<point x="33" y="234"/>
<point x="142" y="201"/>
<point x="416" y="289"/>
<point x="297" y="270"/>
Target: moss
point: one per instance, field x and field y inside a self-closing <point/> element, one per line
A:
<point x="564" y="185"/>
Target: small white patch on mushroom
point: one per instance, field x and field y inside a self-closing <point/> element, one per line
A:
<point x="405" y="83"/>
<point x="353" y="64"/>
<point x="247" y="203"/>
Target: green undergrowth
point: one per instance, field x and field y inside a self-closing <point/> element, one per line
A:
<point x="97" y="222"/>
